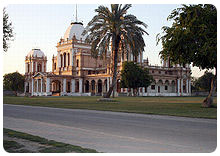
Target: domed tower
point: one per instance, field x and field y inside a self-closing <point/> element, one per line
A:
<point x="72" y="43"/>
<point x="35" y="61"/>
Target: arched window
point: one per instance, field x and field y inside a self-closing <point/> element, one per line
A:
<point x="68" y="55"/>
<point x="64" y="55"/>
<point x="39" y="68"/>
<point x="77" y="63"/>
<point x="55" y="65"/>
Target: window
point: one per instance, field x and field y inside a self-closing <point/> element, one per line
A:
<point x="153" y="87"/>
<point x="152" y="71"/>
<point x="55" y="66"/>
<point x="77" y="63"/>
<point x="39" y="68"/>
<point x="165" y="72"/>
<point x="68" y="55"/>
<point x="166" y="87"/>
<point x="64" y="55"/>
<point x="89" y="72"/>
<point x="159" y="72"/>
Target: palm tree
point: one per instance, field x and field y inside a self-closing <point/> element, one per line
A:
<point x="115" y="31"/>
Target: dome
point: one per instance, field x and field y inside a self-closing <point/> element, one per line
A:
<point x="75" y="28"/>
<point x="35" y="52"/>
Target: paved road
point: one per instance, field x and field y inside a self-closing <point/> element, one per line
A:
<point x="114" y="132"/>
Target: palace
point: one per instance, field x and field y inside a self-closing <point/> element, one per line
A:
<point x="76" y="73"/>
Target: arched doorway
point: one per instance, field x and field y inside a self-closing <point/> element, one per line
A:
<point x="68" y="87"/>
<point x="99" y="86"/>
<point x="56" y="87"/>
<point x="87" y="86"/>
<point x="159" y="84"/>
<point x="93" y="87"/>
<point x="173" y="87"/>
<point x="27" y="88"/>
<point x="77" y="86"/>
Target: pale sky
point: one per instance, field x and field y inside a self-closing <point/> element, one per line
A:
<point x="41" y="26"/>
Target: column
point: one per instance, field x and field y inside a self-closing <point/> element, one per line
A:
<point x="132" y="57"/>
<point x="187" y="85"/>
<point x="25" y="67"/>
<point x="71" y="57"/>
<point x="41" y="85"/>
<point x="32" y="87"/>
<point x="142" y="57"/>
<point x="73" y="85"/>
<point x="181" y="86"/>
<point x="48" y="85"/>
<point x="110" y="81"/>
<point x="122" y="90"/>
<point x="64" y="85"/>
<point x="36" y="66"/>
<point x="178" y="86"/>
<point x="32" y="66"/>
<point x="63" y="61"/>
<point x="66" y="59"/>
<point x="108" y="84"/>
<point x="139" y="58"/>
<point x="80" y="85"/>
<point x="37" y="86"/>
<point x="143" y="90"/>
<point x="58" y="59"/>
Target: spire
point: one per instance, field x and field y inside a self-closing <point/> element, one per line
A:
<point x="76" y="12"/>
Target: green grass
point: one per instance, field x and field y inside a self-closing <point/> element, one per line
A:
<point x="55" y="147"/>
<point x="11" y="146"/>
<point x="175" y="106"/>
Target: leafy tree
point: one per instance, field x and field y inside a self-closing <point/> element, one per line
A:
<point x="192" y="38"/>
<point x="133" y="76"/>
<point x="113" y="29"/>
<point x="14" y="82"/>
<point x="7" y="31"/>
<point x="204" y="82"/>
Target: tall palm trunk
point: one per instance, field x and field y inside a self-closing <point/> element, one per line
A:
<point x="209" y="100"/>
<point x="115" y="64"/>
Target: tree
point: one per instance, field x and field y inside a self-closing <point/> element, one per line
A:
<point x="133" y="76"/>
<point x="192" y="38"/>
<point x="203" y="83"/>
<point x="113" y="30"/>
<point x="14" y="82"/>
<point x="7" y="31"/>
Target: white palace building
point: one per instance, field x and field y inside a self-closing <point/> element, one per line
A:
<point x="76" y="73"/>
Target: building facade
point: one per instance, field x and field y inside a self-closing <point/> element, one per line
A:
<point x="76" y="73"/>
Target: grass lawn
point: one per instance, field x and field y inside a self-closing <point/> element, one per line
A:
<point x="176" y="106"/>
<point x="49" y="146"/>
